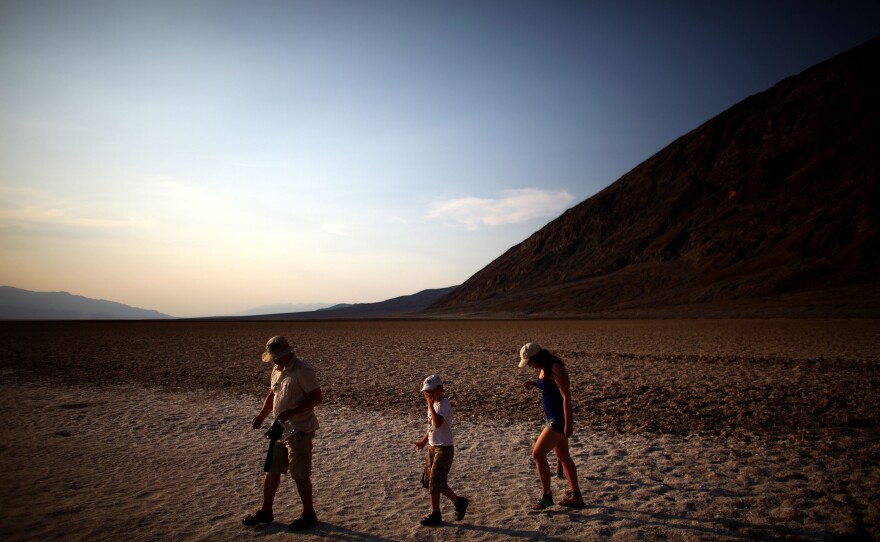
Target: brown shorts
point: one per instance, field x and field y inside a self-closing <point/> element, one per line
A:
<point x="438" y="461"/>
<point x="294" y="456"/>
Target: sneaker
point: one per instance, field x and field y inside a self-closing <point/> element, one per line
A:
<point x="257" y="518"/>
<point x="545" y="502"/>
<point x="434" y="518"/>
<point x="460" y="505"/>
<point x="306" y="520"/>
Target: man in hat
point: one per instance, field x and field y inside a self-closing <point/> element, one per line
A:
<point x="293" y="395"/>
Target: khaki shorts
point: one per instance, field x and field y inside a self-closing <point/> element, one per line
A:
<point x="438" y="461"/>
<point x="294" y="456"/>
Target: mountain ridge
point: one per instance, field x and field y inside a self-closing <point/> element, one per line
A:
<point x="773" y="198"/>
<point x="18" y="304"/>
<point x="405" y="306"/>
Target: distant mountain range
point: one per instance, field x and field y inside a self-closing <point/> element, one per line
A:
<point x="282" y="308"/>
<point x="397" y="307"/>
<point x="772" y="208"/>
<point x="16" y="304"/>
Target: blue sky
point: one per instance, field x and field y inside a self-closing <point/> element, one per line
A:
<point x="203" y="158"/>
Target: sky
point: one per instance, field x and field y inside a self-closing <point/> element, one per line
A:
<point x="208" y="157"/>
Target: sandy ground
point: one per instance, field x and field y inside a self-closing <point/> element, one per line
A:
<point x="687" y="430"/>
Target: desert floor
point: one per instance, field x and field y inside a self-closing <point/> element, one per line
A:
<point x="685" y="429"/>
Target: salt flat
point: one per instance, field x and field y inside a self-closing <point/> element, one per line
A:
<point x="141" y="430"/>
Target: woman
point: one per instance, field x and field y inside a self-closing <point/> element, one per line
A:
<point x="556" y="399"/>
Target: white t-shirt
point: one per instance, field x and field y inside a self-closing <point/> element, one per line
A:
<point x="441" y="436"/>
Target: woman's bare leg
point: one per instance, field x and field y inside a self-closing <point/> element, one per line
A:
<point x="546" y="442"/>
<point x="568" y="466"/>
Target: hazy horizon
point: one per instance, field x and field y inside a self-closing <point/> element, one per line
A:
<point x="205" y="158"/>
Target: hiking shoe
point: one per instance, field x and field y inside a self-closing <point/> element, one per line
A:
<point x="306" y="520"/>
<point x="460" y="505"/>
<point x="257" y="518"/>
<point x="545" y="502"/>
<point x="434" y="518"/>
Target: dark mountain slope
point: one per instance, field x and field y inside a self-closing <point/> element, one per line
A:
<point x="398" y="307"/>
<point x="773" y="200"/>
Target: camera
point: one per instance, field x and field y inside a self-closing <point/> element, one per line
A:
<point x="275" y="431"/>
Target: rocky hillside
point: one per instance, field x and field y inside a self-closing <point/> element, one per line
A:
<point x="772" y="208"/>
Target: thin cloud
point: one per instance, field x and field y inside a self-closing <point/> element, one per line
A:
<point x="197" y="206"/>
<point x="25" y="207"/>
<point x="512" y="207"/>
<point x="335" y="229"/>
<point x="181" y="190"/>
<point x="33" y="216"/>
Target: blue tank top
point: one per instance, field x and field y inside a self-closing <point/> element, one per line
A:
<point x="551" y="398"/>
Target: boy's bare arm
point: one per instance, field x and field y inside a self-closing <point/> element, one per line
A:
<point x="436" y="419"/>
<point x="421" y="443"/>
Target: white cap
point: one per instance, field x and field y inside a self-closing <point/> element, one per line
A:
<point x="527" y="351"/>
<point x="431" y="383"/>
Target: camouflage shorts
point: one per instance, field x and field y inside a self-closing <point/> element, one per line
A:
<point x="438" y="461"/>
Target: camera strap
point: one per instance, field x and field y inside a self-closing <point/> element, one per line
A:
<point x="274" y="432"/>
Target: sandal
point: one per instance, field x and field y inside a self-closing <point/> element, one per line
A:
<point x="545" y="502"/>
<point x="573" y="500"/>
<point x="257" y="518"/>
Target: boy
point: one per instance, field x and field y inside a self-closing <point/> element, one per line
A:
<point x="438" y="460"/>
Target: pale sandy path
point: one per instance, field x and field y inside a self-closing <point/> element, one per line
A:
<point x="83" y="463"/>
